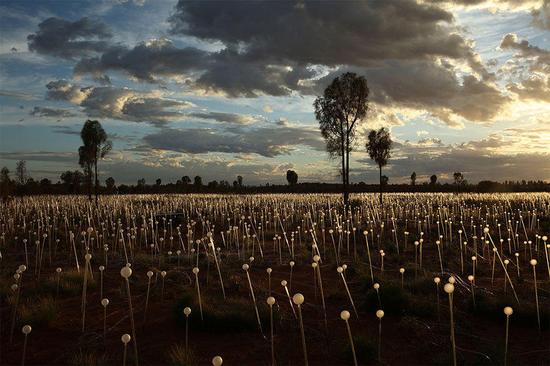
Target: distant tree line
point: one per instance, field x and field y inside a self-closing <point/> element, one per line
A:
<point x="75" y="182"/>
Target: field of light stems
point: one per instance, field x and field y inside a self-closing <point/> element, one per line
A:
<point x="281" y="279"/>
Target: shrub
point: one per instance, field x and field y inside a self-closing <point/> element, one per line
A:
<point x="41" y="312"/>
<point x="365" y="351"/>
<point x="392" y="298"/>
<point x="179" y="357"/>
<point x="230" y="316"/>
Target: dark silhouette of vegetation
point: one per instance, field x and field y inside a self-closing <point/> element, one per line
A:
<point x="198" y="181"/>
<point x="413" y="178"/>
<point x="343" y="105"/>
<point x="379" y="146"/>
<point x="459" y="180"/>
<point x="73" y="182"/>
<point x="21" y="172"/>
<point x="291" y="177"/>
<point x="110" y="184"/>
<point x="95" y="147"/>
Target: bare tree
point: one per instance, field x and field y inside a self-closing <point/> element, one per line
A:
<point x="343" y="105"/>
<point x="379" y="146"/>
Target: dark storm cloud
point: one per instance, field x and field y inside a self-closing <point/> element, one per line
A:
<point x="66" y="39"/>
<point x="308" y="32"/>
<point x="264" y="141"/>
<point x="51" y="112"/>
<point x="430" y="86"/>
<point x="118" y="103"/>
<point x="146" y="61"/>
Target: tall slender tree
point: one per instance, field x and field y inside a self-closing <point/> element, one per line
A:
<point x="379" y="147"/>
<point x="343" y="105"/>
<point x="96" y="147"/>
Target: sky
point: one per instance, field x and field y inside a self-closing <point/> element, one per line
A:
<point x="220" y="89"/>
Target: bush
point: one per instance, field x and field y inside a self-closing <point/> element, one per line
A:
<point x="230" y="315"/>
<point x="393" y="299"/>
<point x="179" y="357"/>
<point x="86" y="358"/>
<point x="365" y="351"/>
<point x="41" y="312"/>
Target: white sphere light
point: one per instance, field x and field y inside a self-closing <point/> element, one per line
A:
<point x="380" y="314"/>
<point x="26" y="329"/>
<point x="449" y="288"/>
<point x="508" y="310"/>
<point x="298" y="299"/>
<point x="126" y="272"/>
<point x="345" y="315"/>
<point x="125" y="338"/>
<point x="270" y="301"/>
<point x="217" y="361"/>
<point x="187" y="311"/>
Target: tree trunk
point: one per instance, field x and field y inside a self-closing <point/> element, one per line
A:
<point x="89" y="179"/>
<point x="344" y="179"/>
<point x="346" y="200"/>
<point x="96" y="182"/>
<point x="381" y="204"/>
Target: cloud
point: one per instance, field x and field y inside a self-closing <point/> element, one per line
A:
<point x="146" y="61"/>
<point x="62" y="38"/>
<point x="477" y="160"/>
<point x="536" y="87"/>
<point x="541" y="16"/>
<point x="268" y="30"/>
<point x="119" y="103"/>
<point x="265" y="141"/>
<point x="51" y="112"/>
<point x="532" y="68"/>
<point x="540" y="57"/>
<point x="241" y="119"/>
<point x="431" y="87"/>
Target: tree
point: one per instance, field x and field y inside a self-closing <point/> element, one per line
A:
<point x="141" y="183"/>
<point x="21" y="172"/>
<point x="459" y="180"/>
<point x="240" y="180"/>
<point x="413" y="178"/>
<point x="71" y="180"/>
<point x="4" y="176"/>
<point x="85" y="160"/>
<point x="433" y="179"/>
<point x="291" y="177"/>
<point x="185" y="180"/>
<point x="110" y="184"/>
<point x="158" y="182"/>
<point x="379" y="146"/>
<point x="385" y="180"/>
<point x="45" y="182"/>
<point x="5" y="183"/>
<point x="344" y="104"/>
<point x="96" y="146"/>
<point x="198" y="181"/>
